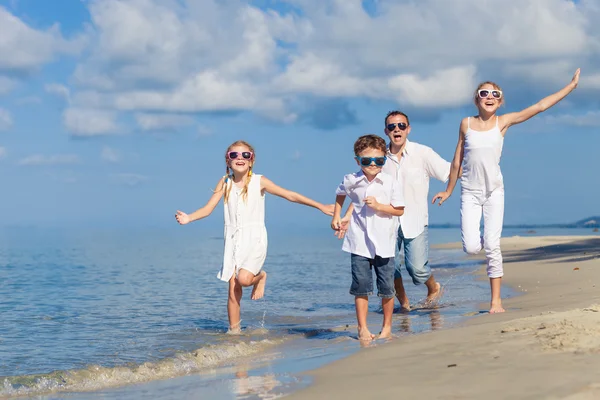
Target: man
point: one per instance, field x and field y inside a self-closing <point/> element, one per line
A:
<point x="413" y="164"/>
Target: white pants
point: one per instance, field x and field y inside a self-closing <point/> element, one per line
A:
<point x="472" y="203"/>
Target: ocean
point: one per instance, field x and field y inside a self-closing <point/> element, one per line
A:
<point x="128" y="314"/>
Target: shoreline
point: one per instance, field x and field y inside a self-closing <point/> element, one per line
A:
<point x="545" y="346"/>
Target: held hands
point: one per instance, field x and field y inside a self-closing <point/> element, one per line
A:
<point x="182" y="217"/>
<point x="340" y="226"/>
<point x="443" y="196"/>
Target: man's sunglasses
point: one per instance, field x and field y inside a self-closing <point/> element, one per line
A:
<point x="484" y="93"/>
<point x="402" y="126"/>
<point x="247" y="155"/>
<point x="366" y="161"/>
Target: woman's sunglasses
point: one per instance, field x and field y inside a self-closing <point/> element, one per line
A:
<point x="366" y="161"/>
<point x="246" y="155"/>
<point x="402" y="126"/>
<point x="484" y="93"/>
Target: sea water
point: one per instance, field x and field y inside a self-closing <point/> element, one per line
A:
<point x="90" y="313"/>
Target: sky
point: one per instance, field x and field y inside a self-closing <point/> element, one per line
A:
<point x="118" y="112"/>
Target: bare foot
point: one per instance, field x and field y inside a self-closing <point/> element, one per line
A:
<point x="496" y="307"/>
<point x="234" y="331"/>
<point x="434" y="297"/>
<point x="386" y="332"/>
<point x="259" y="287"/>
<point x="364" y="334"/>
<point x="404" y="303"/>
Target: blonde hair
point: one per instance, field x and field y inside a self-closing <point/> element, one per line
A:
<point x="482" y="84"/>
<point x="228" y="178"/>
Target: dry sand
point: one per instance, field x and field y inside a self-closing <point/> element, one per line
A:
<point x="546" y="346"/>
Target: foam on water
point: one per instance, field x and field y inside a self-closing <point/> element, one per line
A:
<point x="96" y="377"/>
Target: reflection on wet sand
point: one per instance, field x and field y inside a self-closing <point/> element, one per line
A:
<point x="436" y="320"/>
<point x="257" y="386"/>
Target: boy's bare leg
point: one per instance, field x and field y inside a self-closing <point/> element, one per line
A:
<point x="361" y="304"/>
<point x="388" y="309"/>
<point x="233" y="305"/>
<point x="401" y="295"/>
<point x="496" y="303"/>
<point x="434" y="290"/>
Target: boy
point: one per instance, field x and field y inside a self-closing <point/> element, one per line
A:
<point x="371" y="237"/>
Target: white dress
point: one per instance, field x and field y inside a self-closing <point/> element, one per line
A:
<point x="245" y="231"/>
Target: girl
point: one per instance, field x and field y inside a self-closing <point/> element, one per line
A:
<point x="245" y="233"/>
<point x="479" y="145"/>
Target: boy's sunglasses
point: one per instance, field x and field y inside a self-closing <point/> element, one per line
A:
<point x="484" y="93"/>
<point x="402" y="126"/>
<point x="366" y="161"/>
<point x="247" y="155"/>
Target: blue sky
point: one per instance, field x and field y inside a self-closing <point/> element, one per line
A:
<point x="118" y="112"/>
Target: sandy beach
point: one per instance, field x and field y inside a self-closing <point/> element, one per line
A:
<point x="546" y="346"/>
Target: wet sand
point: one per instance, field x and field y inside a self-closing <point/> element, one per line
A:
<point x="546" y="346"/>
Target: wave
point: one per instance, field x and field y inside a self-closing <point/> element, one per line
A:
<point x="95" y="377"/>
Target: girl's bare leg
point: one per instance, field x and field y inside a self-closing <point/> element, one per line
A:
<point x="362" y="308"/>
<point x="496" y="303"/>
<point x="233" y="305"/>
<point x="388" y="309"/>
<point x="247" y="278"/>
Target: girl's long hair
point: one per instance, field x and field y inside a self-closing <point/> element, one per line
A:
<point x="228" y="178"/>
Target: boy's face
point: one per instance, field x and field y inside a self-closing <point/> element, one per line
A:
<point x="372" y="169"/>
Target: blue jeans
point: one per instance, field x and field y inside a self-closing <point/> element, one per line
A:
<point x="362" y="276"/>
<point x="416" y="257"/>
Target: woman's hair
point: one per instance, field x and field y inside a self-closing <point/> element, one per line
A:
<point x="228" y="178"/>
<point x="369" y="142"/>
<point x="482" y="84"/>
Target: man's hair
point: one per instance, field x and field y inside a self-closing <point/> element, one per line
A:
<point x="396" y="112"/>
<point x="369" y="142"/>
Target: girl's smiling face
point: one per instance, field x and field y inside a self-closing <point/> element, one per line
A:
<point x="240" y="159"/>
<point x="488" y="98"/>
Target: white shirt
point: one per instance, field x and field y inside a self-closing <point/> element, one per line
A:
<point x="417" y="164"/>
<point x="371" y="234"/>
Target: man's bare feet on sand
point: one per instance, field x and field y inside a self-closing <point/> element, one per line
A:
<point x="404" y="303"/>
<point x="386" y="333"/>
<point x="496" y="307"/>
<point x="364" y="334"/>
<point x="259" y="287"/>
<point x="434" y="297"/>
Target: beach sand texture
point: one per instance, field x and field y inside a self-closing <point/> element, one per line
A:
<point x="546" y="346"/>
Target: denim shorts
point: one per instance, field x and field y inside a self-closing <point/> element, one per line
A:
<point x="416" y="257"/>
<point x="362" y="276"/>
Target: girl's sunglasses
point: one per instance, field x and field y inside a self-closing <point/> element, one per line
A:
<point x="484" y="93"/>
<point x="247" y="155"/>
<point x="366" y="161"/>
<point x="402" y="126"/>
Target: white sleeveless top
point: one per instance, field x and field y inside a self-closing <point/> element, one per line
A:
<point x="481" y="159"/>
<point x="245" y="231"/>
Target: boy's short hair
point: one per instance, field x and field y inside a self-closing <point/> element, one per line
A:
<point x="394" y="113"/>
<point x="369" y="142"/>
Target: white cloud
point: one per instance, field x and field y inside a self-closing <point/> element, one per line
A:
<point x="58" y="90"/>
<point x="175" y="57"/>
<point x="58" y="159"/>
<point x="152" y="122"/>
<point x="128" y="179"/>
<point x="5" y="120"/>
<point x="3" y="152"/>
<point x="90" y="122"/>
<point x="591" y="119"/>
<point x="109" y="154"/>
<point x="23" y="48"/>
